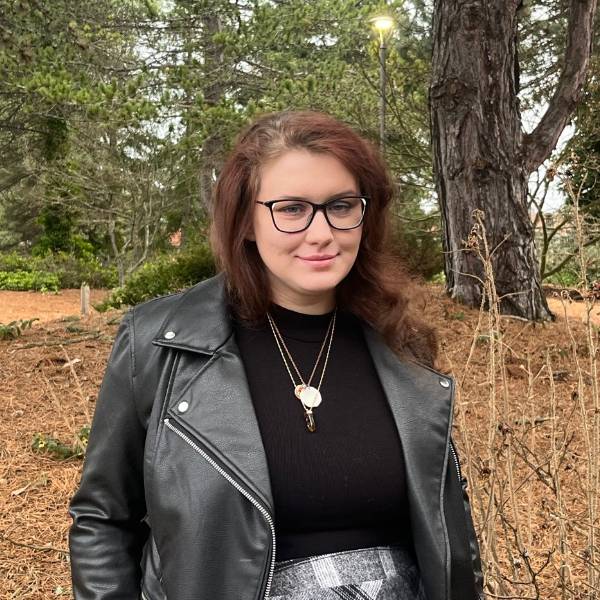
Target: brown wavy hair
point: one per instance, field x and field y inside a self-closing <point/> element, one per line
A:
<point x="378" y="288"/>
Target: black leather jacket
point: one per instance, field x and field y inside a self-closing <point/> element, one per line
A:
<point x="175" y="500"/>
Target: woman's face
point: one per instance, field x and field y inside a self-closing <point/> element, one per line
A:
<point x="298" y="281"/>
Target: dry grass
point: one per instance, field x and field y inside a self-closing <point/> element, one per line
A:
<point x="521" y="420"/>
<point x="528" y="422"/>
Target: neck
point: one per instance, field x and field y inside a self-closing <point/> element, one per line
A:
<point x="318" y="305"/>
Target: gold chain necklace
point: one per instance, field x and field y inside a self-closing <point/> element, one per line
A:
<point x="309" y="396"/>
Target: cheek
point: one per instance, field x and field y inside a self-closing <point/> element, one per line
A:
<point x="262" y="232"/>
<point x="272" y="243"/>
<point x="353" y="242"/>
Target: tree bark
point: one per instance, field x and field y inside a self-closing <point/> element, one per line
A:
<point x="482" y="158"/>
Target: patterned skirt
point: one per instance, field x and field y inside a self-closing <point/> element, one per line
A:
<point x="379" y="573"/>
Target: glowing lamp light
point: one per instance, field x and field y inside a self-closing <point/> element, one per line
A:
<point x="382" y="23"/>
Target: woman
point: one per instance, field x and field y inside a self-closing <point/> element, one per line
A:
<point x="277" y="431"/>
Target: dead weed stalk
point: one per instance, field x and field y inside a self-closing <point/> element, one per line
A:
<point x="533" y="457"/>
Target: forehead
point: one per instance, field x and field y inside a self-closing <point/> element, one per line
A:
<point x="302" y="173"/>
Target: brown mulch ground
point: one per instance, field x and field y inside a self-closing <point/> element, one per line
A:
<point x="45" y="307"/>
<point x="575" y="310"/>
<point x="49" y="378"/>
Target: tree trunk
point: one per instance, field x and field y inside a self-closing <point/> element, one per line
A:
<point x="482" y="158"/>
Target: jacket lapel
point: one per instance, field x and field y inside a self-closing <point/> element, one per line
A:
<point x="210" y="397"/>
<point x="421" y="401"/>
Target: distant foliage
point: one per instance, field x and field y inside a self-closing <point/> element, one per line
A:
<point x="419" y="245"/>
<point x="23" y="281"/>
<point x="58" y="235"/>
<point x="562" y="261"/>
<point x="108" y="160"/>
<point x="165" y="274"/>
<point x="15" y="262"/>
<point x="73" y="271"/>
<point x="566" y="277"/>
<point x="68" y="270"/>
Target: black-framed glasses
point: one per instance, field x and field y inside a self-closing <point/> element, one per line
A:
<point x="293" y="216"/>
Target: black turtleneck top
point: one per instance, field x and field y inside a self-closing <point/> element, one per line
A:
<point x="343" y="486"/>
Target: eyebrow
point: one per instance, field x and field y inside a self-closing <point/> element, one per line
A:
<point x="338" y="195"/>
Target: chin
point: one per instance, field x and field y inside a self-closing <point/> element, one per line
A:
<point x="319" y="287"/>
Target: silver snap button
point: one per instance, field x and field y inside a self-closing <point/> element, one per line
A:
<point x="182" y="407"/>
<point x="444" y="383"/>
<point x="169" y="335"/>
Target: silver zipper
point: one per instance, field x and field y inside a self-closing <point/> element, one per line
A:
<point x="240" y="489"/>
<point x="456" y="463"/>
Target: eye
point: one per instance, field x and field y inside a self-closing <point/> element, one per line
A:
<point x="342" y="205"/>
<point x="339" y="205"/>
<point x="290" y="208"/>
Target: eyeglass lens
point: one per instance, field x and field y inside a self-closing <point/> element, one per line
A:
<point x="294" y="215"/>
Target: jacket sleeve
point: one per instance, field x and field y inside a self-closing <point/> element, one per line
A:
<point x="108" y="532"/>
<point x="466" y="571"/>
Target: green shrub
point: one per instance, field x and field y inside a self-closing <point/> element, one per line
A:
<point x="28" y="280"/>
<point x="70" y="270"/>
<point x="11" y="262"/>
<point x="73" y="271"/>
<point x="165" y="274"/>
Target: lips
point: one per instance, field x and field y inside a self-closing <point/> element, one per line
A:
<point x="318" y="257"/>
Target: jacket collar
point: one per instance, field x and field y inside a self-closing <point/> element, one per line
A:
<point x="199" y="320"/>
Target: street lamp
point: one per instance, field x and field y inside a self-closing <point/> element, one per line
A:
<point x="382" y="24"/>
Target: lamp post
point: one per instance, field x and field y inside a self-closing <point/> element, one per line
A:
<point x="382" y="25"/>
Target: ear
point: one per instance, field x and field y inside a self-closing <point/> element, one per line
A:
<point x="250" y="235"/>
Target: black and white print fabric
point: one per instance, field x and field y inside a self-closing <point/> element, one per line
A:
<point x="380" y="573"/>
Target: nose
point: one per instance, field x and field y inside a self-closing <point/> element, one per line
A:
<point x="319" y="229"/>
